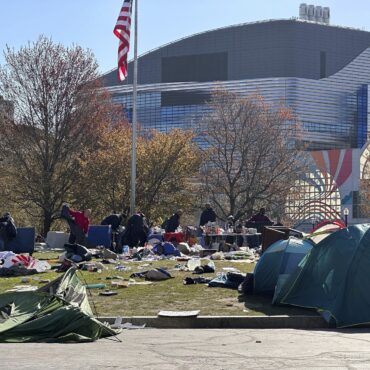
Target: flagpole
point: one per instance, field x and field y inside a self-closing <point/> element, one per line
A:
<point x="134" y="119"/>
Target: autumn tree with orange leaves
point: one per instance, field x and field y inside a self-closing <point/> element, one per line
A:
<point x="166" y="165"/>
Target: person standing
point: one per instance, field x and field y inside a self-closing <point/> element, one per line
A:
<point x="208" y="215"/>
<point x="260" y="217"/>
<point x="259" y="220"/>
<point x="173" y="222"/>
<point x="78" y="222"/>
<point x="8" y="230"/>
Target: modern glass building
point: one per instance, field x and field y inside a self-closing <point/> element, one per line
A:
<point x="321" y="72"/>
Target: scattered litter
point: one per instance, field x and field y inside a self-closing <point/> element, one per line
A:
<point x="199" y="280"/>
<point x="10" y="259"/>
<point x="180" y="267"/>
<point x="119" y="284"/>
<point x="193" y="264"/>
<point x="230" y="269"/>
<point x="127" y="325"/>
<point x="178" y="313"/>
<point x="133" y="282"/>
<point x="122" y="268"/>
<point x="239" y="255"/>
<point x="115" y="277"/>
<point x="95" y="286"/>
<point x="183" y="258"/>
<point x="209" y="267"/>
<point x="155" y="274"/>
<point x="93" y="267"/>
<point x="109" y="261"/>
<point x="229" y="280"/>
<point x="108" y="293"/>
<point x="108" y="254"/>
<point x="218" y="256"/>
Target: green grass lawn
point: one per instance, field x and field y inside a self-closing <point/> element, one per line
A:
<point x="169" y="295"/>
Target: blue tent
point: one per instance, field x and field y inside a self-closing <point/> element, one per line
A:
<point x="278" y="262"/>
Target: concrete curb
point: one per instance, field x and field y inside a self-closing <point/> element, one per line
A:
<point x="226" y="322"/>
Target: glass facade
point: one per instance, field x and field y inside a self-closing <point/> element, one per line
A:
<point x="321" y="72"/>
<point x="333" y="111"/>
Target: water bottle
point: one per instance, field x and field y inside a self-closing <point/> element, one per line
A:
<point x="126" y="249"/>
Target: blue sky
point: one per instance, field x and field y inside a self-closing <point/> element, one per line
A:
<point x="89" y="23"/>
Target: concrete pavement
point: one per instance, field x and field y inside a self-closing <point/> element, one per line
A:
<point x="200" y="349"/>
<point x="226" y="322"/>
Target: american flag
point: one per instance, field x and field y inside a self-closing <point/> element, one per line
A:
<point x="122" y="31"/>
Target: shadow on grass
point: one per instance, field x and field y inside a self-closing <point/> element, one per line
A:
<point x="262" y="304"/>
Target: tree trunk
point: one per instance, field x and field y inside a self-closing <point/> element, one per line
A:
<point x="47" y="222"/>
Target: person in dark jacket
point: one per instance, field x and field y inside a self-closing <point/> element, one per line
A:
<point x="259" y="221"/>
<point x="260" y="217"/>
<point x="136" y="233"/>
<point x="208" y="215"/>
<point x="8" y="230"/>
<point x="115" y="221"/>
<point x="173" y="222"/>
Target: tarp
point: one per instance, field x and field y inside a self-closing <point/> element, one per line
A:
<point x="335" y="278"/>
<point x="58" y="312"/>
<point x="9" y="259"/>
<point x="166" y="249"/>
<point x="277" y="263"/>
<point x="324" y="229"/>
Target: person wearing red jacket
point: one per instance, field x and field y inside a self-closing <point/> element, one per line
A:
<point x="78" y="222"/>
<point x="81" y="219"/>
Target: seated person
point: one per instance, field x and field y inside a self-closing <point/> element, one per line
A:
<point x="259" y="220"/>
<point x="8" y="230"/>
<point x="78" y="222"/>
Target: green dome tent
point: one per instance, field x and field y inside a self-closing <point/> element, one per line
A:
<point x="335" y="278"/>
<point x="277" y="263"/>
<point x="57" y="312"/>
